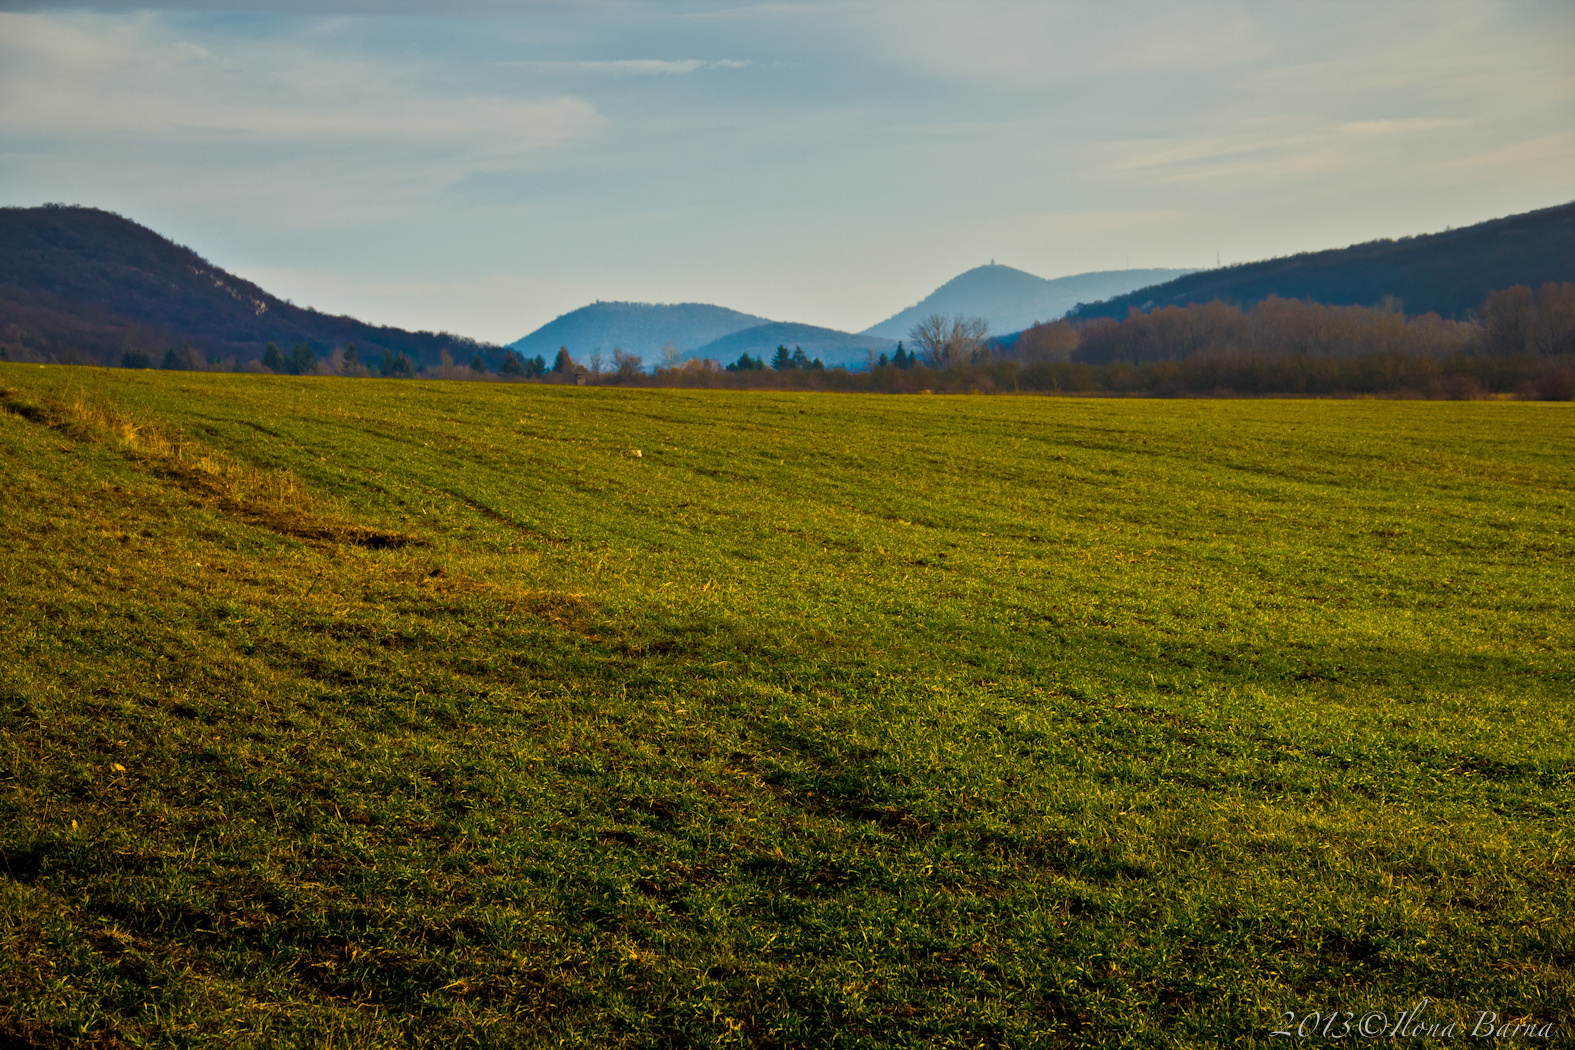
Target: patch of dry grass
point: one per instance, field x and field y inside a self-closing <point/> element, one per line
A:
<point x="273" y="499"/>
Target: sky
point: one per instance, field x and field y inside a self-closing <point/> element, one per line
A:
<point x="483" y="166"/>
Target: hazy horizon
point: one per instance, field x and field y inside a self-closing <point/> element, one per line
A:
<point x="484" y="167"/>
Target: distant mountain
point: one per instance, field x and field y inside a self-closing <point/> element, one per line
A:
<point x="640" y="328"/>
<point x="1447" y="273"/>
<point x="1012" y="299"/>
<point x="80" y="284"/>
<point x="831" y="346"/>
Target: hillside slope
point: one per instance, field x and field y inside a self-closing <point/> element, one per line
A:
<point x="831" y="346"/>
<point x="640" y="328"/>
<point x="1012" y="299"/>
<point x="89" y="285"/>
<point x="1447" y="273"/>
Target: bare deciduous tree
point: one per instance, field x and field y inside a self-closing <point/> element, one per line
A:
<point x="946" y="340"/>
<point x="627" y="364"/>
<point x="1046" y="341"/>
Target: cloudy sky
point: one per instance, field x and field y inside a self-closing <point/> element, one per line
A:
<point x="481" y="166"/>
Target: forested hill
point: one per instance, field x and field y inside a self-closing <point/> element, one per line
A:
<point x="88" y="285"/>
<point x="1447" y="273"/>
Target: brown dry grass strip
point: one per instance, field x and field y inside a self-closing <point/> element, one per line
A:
<point x="275" y="500"/>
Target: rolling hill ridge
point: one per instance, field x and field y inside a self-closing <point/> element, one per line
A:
<point x="86" y="285"/>
<point x="639" y="328"/>
<point x="1011" y="299"/>
<point x="831" y="346"/>
<point x="1447" y="273"/>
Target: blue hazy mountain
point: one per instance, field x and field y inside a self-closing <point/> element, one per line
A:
<point x="640" y="328"/>
<point x="831" y="346"/>
<point x="1012" y="299"/>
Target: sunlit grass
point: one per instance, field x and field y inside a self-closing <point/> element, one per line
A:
<point x="428" y="714"/>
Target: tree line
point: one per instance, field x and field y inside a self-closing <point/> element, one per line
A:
<point x="1521" y="343"/>
<point x="1511" y="321"/>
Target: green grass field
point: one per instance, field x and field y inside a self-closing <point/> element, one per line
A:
<point x="379" y="713"/>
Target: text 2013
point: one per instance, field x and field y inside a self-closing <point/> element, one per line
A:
<point x="1410" y="1024"/>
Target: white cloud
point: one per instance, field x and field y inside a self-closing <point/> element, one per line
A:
<point x="626" y="67"/>
<point x="1089" y="223"/>
<point x="1262" y="149"/>
<point x="1027" y="43"/>
<point x="301" y="7"/>
<point x="630" y="67"/>
<point x="751" y="13"/>
<point x="481" y="165"/>
<point x="1367" y="128"/>
<point x="334" y="134"/>
<point x="1544" y="161"/>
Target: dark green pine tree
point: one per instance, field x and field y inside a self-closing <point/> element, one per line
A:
<point x="783" y="360"/>
<point x="398" y="366"/>
<point x="301" y="360"/>
<point x="272" y="358"/>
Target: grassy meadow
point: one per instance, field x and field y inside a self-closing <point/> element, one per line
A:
<point x="378" y="713"/>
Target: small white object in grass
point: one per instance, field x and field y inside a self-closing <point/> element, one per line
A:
<point x="635" y="453"/>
